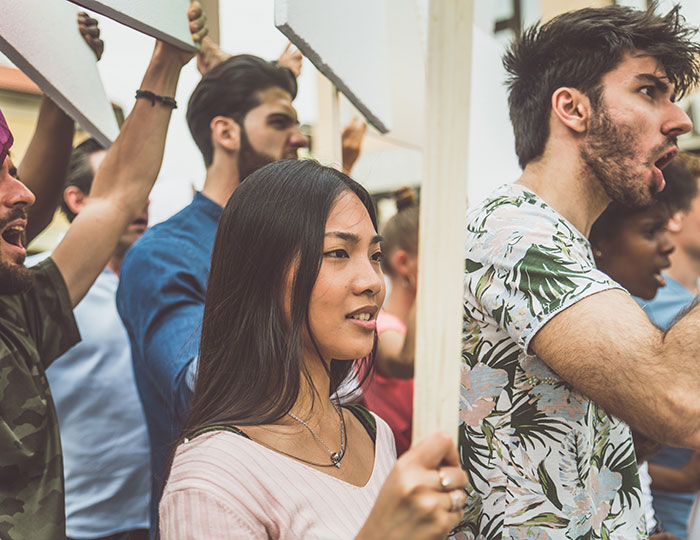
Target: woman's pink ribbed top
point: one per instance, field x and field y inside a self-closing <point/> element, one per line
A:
<point x="223" y="486"/>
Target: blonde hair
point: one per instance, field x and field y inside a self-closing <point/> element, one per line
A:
<point x="401" y="231"/>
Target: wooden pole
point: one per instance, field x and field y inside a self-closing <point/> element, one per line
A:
<point x="443" y="208"/>
<point x="336" y="128"/>
<point x="326" y="135"/>
<point x="211" y="8"/>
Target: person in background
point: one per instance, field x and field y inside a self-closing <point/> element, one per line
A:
<point x="681" y="281"/>
<point x="266" y="451"/>
<point x="633" y="247"/>
<point x="37" y="321"/>
<point x="99" y="410"/>
<point x="388" y="391"/>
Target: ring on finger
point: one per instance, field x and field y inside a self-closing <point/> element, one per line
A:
<point x="456" y="500"/>
<point x="444" y="479"/>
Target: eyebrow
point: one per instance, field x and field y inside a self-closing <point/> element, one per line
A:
<point x="352" y="237"/>
<point x="283" y="116"/>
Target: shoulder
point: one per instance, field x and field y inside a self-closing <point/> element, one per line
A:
<point x="514" y="211"/>
<point x="515" y="226"/>
<point x="216" y="461"/>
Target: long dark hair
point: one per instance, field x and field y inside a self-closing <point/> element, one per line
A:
<point x="250" y="360"/>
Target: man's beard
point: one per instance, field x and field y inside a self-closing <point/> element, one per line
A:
<point x="14" y="277"/>
<point x="250" y="160"/>
<point x="609" y="153"/>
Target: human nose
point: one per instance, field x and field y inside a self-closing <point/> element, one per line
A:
<point x="677" y="123"/>
<point x="297" y="139"/>
<point x="17" y="194"/>
<point x="368" y="279"/>
<point x="666" y="247"/>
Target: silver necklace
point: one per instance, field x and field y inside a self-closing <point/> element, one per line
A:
<point x="335" y="456"/>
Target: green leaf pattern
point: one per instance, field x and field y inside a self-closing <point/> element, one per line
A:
<point x="544" y="462"/>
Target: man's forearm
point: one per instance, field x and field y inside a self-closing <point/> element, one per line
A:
<point x="123" y="181"/>
<point x="45" y="165"/>
<point x="672" y="480"/>
<point x="131" y="167"/>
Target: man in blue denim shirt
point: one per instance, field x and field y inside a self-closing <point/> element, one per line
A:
<point x="241" y="117"/>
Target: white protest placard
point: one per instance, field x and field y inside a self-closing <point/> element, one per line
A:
<point x="334" y="37"/>
<point x="163" y="19"/>
<point x="42" y="39"/>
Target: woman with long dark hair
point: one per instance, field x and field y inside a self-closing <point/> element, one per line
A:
<point x="267" y="451"/>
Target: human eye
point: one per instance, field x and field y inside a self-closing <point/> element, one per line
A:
<point x="336" y="254"/>
<point x="281" y="122"/>
<point x="648" y="90"/>
<point x="377" y="256"/>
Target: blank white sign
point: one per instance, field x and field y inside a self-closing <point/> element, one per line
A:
<point x="348" y="43"/>
<point x="42" y="39"/>
<point x="162" y="19"/>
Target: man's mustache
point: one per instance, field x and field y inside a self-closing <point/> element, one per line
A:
<point x="15" y="213"/>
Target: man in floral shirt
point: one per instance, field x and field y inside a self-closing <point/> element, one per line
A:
<point x="557" y="357"/>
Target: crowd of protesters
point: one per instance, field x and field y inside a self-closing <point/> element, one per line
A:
<point x="190" y="380"/>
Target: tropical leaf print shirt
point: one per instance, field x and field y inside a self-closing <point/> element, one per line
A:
<point x="544" y="461"/>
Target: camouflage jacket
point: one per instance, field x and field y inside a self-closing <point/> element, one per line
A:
<point x="35" y="328"/>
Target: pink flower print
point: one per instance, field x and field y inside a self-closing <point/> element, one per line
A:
<point x="481" y="385"/>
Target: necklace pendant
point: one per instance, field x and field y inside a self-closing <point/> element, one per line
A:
<point x="335" y="458"/>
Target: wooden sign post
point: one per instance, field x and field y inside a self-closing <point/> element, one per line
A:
<point x="442" y="212"/>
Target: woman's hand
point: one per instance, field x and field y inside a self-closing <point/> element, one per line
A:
<point x="422" y="497"/>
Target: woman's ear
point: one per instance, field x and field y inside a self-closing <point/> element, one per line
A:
<point x="225" y="133"/>
<point x="75" y="198"/>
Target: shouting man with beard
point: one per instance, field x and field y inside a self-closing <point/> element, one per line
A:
<point x="36" y="318"/>
<point x="241" y="117"/>
<point x="558" y="360"/>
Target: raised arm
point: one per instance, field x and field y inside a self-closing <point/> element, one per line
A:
<point x="127" y="174"/>
<point x="606" y="348"/>
<point x="45" y="164"/>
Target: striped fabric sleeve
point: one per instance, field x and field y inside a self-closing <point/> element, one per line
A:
<point x="194" y="514"/>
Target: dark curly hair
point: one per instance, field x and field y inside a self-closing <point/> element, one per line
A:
<point x="576" y="49"/>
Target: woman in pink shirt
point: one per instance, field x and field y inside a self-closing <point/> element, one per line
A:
<point x="267" y="452"/>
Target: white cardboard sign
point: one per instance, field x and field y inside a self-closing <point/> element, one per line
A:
<point x="42" y="39"/>
<point x="348" y="43"/>
<point x="163" y="19"/>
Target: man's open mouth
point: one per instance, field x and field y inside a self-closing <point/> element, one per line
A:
<point x="665" y="159"/>
<point x="14" y="235"/>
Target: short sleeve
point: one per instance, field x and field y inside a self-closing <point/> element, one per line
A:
<point x="194" y="514"/>
<point x="48" y="313"/>
<point x="525" y="264"/>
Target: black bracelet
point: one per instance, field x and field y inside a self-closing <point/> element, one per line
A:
<point x="165" y="101"/>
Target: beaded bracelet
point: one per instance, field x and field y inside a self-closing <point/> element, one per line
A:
<point x="165" y="101"/>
